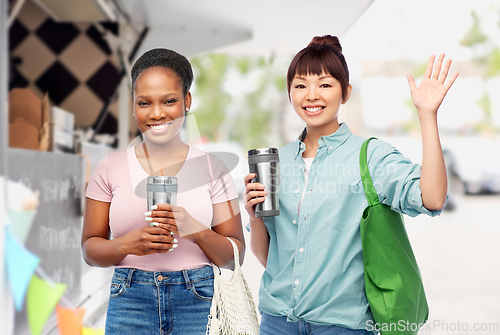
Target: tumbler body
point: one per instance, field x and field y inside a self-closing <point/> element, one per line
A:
<point x="265" y="163"/>
<point x="161" y="190"/>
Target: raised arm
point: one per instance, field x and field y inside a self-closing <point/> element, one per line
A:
<point x="427" y="98"/>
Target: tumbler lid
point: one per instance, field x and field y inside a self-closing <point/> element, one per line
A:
<point x="165" y="180"/>
<point x="262" y="151"/>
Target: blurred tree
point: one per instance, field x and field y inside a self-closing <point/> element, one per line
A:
<point x="475" y="35"/>
<point x="493" y="63"/>
<point x="258" y="109"/>
<point x="238" y="98"/>
<point x="412" y="125"/>
<point x="210" y="72"/>
<point x="486" y="53"/>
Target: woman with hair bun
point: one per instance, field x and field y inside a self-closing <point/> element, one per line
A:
<point x="163" y="281"/>
<point x="314" y="280"/>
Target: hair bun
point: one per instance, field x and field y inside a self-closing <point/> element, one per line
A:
<point x="329" y="40"/>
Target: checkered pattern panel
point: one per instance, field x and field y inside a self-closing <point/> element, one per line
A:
<point x="70" y="61"/>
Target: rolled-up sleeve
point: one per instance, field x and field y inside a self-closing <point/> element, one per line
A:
<point x="396" y="179"/>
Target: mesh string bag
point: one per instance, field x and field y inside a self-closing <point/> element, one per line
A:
<point x="233" y="310"/>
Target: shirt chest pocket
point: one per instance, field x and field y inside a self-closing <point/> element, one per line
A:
<point x="341" y="205"/>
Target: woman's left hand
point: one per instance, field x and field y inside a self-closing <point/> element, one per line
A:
<point x="430" y="94"/>
<point x="176" y="219"/>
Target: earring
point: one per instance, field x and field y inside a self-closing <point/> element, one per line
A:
<point x="187" y="109"/>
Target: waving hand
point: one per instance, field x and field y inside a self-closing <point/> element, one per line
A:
<point x="430" y="94"/>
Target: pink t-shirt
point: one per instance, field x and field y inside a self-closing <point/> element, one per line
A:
<point x="120" y="179"/>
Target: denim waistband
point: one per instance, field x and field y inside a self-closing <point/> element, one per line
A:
<point x="164" y="277"/>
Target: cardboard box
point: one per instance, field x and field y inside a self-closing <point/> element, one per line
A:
<point x="25" y="118"/>
<point x="57" y="131"/>
<point x="34" y="125"/>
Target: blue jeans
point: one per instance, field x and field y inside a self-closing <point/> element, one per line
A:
<point x="276" y="325"/>
<point x="143" y="302"/>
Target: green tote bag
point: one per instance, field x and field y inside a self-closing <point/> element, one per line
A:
<point x="393" y="284"/>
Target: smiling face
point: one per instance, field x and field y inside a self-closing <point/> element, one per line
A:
<point x="159" y="104"/>
<point x="317" y="98"/>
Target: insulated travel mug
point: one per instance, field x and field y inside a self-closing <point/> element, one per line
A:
<point x="161" y="190"/>
<point x="265" y="163"/>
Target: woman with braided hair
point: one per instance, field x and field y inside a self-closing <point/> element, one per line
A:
<point x="313" y="281"/>
<point x="163" y="278"/>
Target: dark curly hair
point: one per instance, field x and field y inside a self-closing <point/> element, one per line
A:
<point x="167" y="59"/>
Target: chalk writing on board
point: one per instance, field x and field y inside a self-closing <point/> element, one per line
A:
<point x="56" y="231"/>
<point x="64" y="275"/>
<point x="55" y="190"/>
<point x="59" y="239"/>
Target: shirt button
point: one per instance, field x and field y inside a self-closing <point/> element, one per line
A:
<point x="294" y="222"/>
<point x="300" y="167"/>
<point x="160" y="278"/>
<point x="330" y="148"/>
<point x="311" y="190"/>
<point x="296" y="191"/>
<point x="296" y="282"/>
<point x="301" y="249"/>
<point x="305" y="217"/>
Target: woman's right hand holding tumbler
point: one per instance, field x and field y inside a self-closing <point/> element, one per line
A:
<point x="254" y="194"/>
<point x="259" y="241"/>
<point x="148" y="240"/>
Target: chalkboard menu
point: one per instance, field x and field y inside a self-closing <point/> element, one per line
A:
<point x="56" y="231"/>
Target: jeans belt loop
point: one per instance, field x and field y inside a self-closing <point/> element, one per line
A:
<point x="186" y="278"/>
<point x="129" y="277"/>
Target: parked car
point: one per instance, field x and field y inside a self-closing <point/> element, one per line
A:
<point x="476" y="162"/>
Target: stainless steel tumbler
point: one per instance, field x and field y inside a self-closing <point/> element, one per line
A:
<point x="161" y="190"/>
<point x="265" y="163"/>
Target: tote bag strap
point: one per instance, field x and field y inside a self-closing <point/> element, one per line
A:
<point x="370" y="192"/>
<point x="236" y="254"/>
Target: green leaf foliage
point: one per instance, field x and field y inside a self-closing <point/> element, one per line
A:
<point x="488" y="56"/>
<point x="243" y="112"/>
<point x="475" y="35"/>
<point x="212" y="100"/>
<point x="485" y="104"/>
<point x="493" y="63"/>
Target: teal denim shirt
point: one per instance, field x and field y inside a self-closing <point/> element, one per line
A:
<point x="315" y="266"/>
